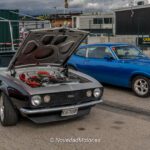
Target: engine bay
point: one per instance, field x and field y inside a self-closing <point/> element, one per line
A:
<point x="47" y="77"/>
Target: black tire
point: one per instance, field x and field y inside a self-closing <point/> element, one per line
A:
<point x="10" y="115"/>
<point x="71" y="67"/>
<point x="141" y="86"/>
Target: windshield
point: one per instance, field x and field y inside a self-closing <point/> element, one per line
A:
<point x="127" y="52"/>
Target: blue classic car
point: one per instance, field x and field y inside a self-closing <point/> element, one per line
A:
<point x="115" y="63"/>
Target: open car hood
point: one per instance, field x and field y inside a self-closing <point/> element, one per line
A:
<point x="53" y="46"/>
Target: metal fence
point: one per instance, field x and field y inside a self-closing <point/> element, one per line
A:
<point x="12" y="32"/>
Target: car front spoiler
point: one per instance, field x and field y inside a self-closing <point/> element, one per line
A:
<point x="47" y="110"/>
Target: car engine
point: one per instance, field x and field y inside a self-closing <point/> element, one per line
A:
<point x="43" y="78"/>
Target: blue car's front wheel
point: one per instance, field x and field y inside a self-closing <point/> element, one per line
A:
<point x="141" y="86"/>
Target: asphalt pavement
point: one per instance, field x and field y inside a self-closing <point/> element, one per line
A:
<point x="110" y="129"/>
<point x="124" y="98"/>
<point x="106" y="128"/>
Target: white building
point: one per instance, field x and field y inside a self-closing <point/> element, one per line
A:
<point x="98" y="23"/>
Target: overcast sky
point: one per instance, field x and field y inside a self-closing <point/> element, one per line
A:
<point x="45" y="5"/>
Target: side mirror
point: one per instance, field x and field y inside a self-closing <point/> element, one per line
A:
<point x="109" y="58"/>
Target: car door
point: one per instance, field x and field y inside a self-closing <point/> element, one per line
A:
<point x="102" y="64"/>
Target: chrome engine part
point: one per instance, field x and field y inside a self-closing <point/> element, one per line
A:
<point x="40" y="78"/>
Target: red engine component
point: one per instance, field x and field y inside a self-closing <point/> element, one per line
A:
<point x="45" y="74"/>
<point x="40" y="78"/>
<point x="22" y="77"/>
<point x="31" y="81"/>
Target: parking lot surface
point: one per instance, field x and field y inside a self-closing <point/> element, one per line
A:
<point x="116" y="129"/>
<point x="126" y="99"/>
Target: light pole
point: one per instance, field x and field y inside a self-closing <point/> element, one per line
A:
<point x="66" y="6"/>
<point x="55" y="15"/>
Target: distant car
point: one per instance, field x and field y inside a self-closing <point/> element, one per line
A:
<point x="117" y="64"/>
<point x="37" y="84"/>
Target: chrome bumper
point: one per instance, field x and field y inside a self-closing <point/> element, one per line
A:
<point x="47" y="110"/>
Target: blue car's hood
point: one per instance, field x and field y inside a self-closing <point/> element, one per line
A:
<point x="141" y="61"/>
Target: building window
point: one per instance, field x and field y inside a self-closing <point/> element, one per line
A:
<point x="97" y="21"/>
<point x="107" y="20"/>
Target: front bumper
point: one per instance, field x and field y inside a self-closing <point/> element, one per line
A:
<point x="25" y="111"/>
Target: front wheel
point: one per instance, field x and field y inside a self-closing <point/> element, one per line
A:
<point x="141" y="86"/>
<point x="8" y="114"/>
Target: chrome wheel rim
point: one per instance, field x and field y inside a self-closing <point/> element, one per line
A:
<point x="1" y="108"/>
<point x="141" y="87"/>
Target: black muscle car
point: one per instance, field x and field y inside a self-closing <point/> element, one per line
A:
<point x="38" y="85"/>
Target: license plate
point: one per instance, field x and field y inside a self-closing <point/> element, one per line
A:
<point x="69" y="112"/>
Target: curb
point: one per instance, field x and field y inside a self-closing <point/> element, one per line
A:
<point x="126" y="107"/>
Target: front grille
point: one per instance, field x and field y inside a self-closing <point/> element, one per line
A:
<point x="68" y="98"/>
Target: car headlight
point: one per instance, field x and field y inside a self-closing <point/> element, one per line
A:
<point x="89" y="93"/>
<point x="97" y="93"/>
<point x="47" y="98"/>
<point x="36" y="100"/>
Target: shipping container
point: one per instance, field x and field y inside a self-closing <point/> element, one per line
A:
<point x="133" y="21"/>
<point x="5" y="33"/>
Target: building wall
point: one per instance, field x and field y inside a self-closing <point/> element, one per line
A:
<point x="118" y="39"/>
<point x="114" y="39"/>
<point x="86" y="22"/>
<point x="61" y="22"/>
<point x="133" y="22"/>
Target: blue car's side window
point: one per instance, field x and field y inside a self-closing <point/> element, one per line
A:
<point x="98" y="52"/>
<point x="81" y="52"/>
